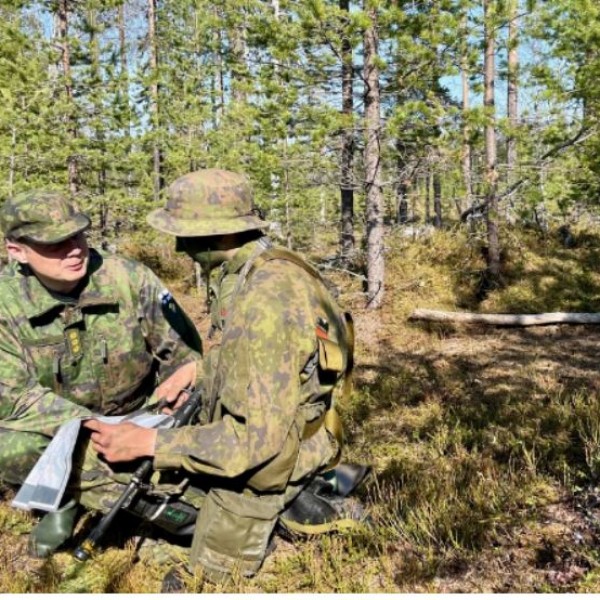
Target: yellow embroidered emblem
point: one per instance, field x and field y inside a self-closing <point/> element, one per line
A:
<point x="74" y="343"/>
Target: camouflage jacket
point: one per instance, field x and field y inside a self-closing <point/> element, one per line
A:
<point x="267" y="378"/>
<point x="61" y="358"/>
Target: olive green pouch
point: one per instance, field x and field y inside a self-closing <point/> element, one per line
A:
<point x="331" y="357"/>
<point x="233" y="531"/>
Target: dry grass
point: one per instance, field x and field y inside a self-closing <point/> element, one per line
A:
<point x="485" y="442"/>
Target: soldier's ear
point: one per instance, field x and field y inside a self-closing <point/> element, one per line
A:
<point x="16" y="251"/>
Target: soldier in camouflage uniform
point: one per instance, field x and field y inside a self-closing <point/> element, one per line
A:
<point x="79" y="333"/>
<point x="269" y="426"/>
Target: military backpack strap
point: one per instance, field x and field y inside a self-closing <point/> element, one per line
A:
<point x="282" y="254"/>
<point x="333" y="423"/>
<point x="331" y="419"/>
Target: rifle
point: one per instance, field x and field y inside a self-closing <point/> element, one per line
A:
<point x="138" y="483"/>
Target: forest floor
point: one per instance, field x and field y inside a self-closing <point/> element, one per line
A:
<point x="485" y="442"/>
<point x="548" y="540"/>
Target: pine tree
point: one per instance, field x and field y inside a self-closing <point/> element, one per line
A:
<point x="374" y="198"/>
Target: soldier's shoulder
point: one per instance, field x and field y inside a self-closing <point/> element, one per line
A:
<point x="109" y="272"/>
<point x="9" y="276"/>
<point x="278" y="285"/>
<point x="11" y="291"/>
<point x="114" y="264"/>
<point x="294" y="271"/>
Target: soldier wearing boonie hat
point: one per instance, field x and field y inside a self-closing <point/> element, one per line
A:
<point x="207" y="203"/>
<point x="80" y="333"/>
<point x="285" y="345"/>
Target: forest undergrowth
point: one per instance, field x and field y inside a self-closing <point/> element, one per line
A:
<point x="485" y="442"/>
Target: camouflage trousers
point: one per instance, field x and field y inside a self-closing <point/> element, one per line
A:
<point x="234" y="523"/>
<point x="236" y="518"/>
<point x="19" y="451"/>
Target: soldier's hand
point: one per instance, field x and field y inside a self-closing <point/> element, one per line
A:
<point x="121" y="442"/>
<point x="171" y="389"/>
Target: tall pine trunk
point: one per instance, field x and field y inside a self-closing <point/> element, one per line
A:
<point x="347" y="179"/>
<point x="466" y="134"/>
<point x="239" y="69"/>
<point x="157" y="183"/>
<point x="403" y="185"/>
<point x="124" y="66"/>
<point x="437" y="199"/>
<point x="402" y="197"/>
<point x="96" y="80"/>
<point x="491" y="175"/>
<point x="374" y="206"/>
<point x="63" y="34"/>
<point x="124" y="91"/>
<point x="12" y="161"/>
<point x="512" y="105"/>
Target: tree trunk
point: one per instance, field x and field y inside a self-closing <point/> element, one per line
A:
<point x="491" y="176"/>
<point x="506" y="320"/>
<point x="466" y="133"/>
<point x="402" y="203"/>
<point x="239" y="67"/>
<point x="402" y="186"/>
<point x="63" y="31"/>
<point x="427" y="185"/>
<point x="12" y="162"/>
<point x="437" y="200"/>
<point x="124" y="87"/>
<point x="218" y="78"/>
<point x="374" y="200"/>
<point x="96" y="80"/>
<point x="124" y="64"/>
<point x="347" y="179"/>
<point x="512" y="91"/>
<point x="286" y="192"/>
<point x="157" y="183"/>
<point x="100" y="135"/>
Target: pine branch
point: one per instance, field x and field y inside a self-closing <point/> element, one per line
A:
<point x="583" y="134"/>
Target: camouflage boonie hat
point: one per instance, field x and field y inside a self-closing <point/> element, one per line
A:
<point x="42" y="217"/>
<point x="207" y="202"/>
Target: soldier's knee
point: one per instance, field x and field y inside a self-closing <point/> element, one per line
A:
<point x="18" y="454"/>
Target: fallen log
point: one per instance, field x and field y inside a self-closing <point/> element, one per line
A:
<point x="506" y="320"/>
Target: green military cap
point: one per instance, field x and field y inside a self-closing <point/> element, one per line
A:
<point x="41" y="216"/>
<point x="207" y="202"/>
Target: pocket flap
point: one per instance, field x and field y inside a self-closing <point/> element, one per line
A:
<point x="330" y="356"/>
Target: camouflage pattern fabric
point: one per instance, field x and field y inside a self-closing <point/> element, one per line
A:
<point x="46" y="483"/>
<point x="61" y="358"/>
<point x="208" y="202"/>
<point x="268" y="385"/>
<point x="40" y="216"/>
<point x="97" y="485"/>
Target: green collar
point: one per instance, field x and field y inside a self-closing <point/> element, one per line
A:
<point x="236" y="264"/>
<point x="40" y="301"/>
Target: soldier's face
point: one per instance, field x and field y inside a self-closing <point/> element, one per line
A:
<point x="60" y="267"/>
<point x="209" y="251"/>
